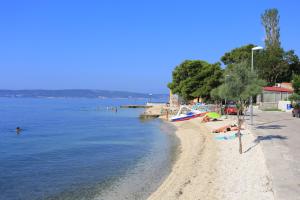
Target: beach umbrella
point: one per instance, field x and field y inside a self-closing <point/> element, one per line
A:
<point x="213" y="115"/>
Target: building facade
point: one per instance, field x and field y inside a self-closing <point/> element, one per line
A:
<point x="271" y="95"/>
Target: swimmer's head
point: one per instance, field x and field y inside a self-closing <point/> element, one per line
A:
<point x="18" y="129"/>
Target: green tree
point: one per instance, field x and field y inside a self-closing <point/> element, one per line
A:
<point x="270" y="21"/>
<point x="294" y="65"/>
<point x="273" y="64"/>
<point x="183" y="82"/>
<point x="238" y="55"/>
<point x="240" y="85"/>
<point x="195" y="78"/>
<point x="296" y="85"/>
<point x="208" y="78"/>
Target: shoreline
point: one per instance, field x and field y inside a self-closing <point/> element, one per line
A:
<point x="197" y="155"/>
<point x="149" y="172"/>
<point x="209" y="169"/>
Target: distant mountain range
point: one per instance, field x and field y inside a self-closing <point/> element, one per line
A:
<point x="77" y="93"/>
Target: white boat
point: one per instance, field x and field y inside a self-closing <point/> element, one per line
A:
<point x="186" y="113"/>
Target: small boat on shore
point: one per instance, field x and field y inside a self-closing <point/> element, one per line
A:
<point x="186" y="113"/>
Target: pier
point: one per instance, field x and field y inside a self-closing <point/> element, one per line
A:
<point x="152" y="111"/>
<point x="149" y="116"/>
<point x="135" y="106"/>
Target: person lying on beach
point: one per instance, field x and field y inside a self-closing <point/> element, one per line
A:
<point x="224" y="129"/>
<point x="207" y="119"/>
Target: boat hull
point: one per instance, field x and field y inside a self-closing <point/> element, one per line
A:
<point x="188" y="117"/>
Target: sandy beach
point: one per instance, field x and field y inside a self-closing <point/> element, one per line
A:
<point x="210" y="169"/>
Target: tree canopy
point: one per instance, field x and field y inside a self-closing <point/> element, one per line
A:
<point x="270" y="21"/>
<point x="273" y="64"/>
<point x="240" y="85"/>
<point x="195" y="78"/>
<point x="296" y="85"/>
<point x="238" y="55"/>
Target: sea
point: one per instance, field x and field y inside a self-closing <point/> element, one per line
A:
<point x="81" y="149"/>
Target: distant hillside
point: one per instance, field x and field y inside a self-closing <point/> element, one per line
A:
<point x="75" y="93"/>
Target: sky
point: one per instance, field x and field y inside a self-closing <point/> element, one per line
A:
<point x="130" y="45"/>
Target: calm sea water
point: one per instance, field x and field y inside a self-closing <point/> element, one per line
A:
<point x="77" y="149"/>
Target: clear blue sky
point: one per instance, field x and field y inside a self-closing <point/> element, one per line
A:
<point x="130" y="45"/>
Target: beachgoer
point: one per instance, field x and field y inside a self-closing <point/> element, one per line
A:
<point x="18" y="130"/>
<point x="205" y="119"/>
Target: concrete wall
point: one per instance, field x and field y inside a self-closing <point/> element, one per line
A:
<point x="274" y="96"/>
<point x="273" y="100"/>
<point x="268" y="105"/>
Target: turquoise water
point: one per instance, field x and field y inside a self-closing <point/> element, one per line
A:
<point x="77" y="149"/>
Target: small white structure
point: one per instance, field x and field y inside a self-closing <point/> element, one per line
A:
<point x="285" y="106"/>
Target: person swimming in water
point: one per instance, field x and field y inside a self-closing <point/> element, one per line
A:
<point x="18" y="130"/>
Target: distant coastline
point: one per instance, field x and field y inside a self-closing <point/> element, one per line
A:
<point x="77" y="93"/>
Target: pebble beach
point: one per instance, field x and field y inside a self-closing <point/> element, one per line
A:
<point x="207" y="168"/>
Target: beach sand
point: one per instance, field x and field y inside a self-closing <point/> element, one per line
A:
<point x="193" y="174"/>
<point x="210" y="169"/>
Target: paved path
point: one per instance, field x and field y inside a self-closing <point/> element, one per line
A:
<point x="279" y="134"/>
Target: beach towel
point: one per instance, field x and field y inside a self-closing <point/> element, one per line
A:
<point x="226" y="137"/>
<point x="213" y="115"/>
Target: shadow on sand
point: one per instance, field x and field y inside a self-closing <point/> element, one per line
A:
<point x="267" y="137"/>
<point x="281" y="120"/>
<point x="273" y="126"/>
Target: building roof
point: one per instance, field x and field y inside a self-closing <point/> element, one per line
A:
<point x="286" y="85"/>
<point x="277" y="89"/>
